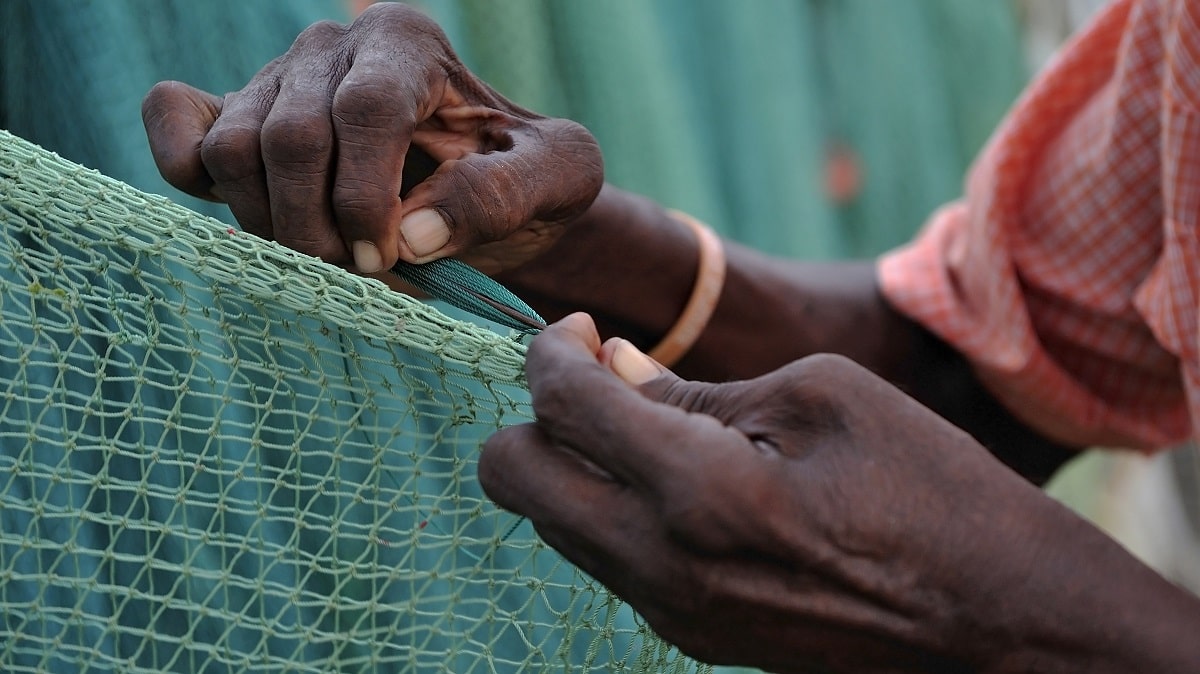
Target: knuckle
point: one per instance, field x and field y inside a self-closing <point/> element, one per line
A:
<point x="798" y="405"/>
<point x="841" y="382"/>
<point x="397" y="15"/>
<point x="483" y="198"/>
<point x="400" y="28"/>
<point x="157" y="100"/>
<point x="809" y="401"/>
<point x="579" y="165"/>
<point x="369" y="92"/>
<point x="298" y="141"/>
<point x="231" y="152"/>
<point x="318" y="35"/>
<point x="828" y="363"/>
<point x="374" y="101"/>
<point x="821" y="375"/>
<point x="571" y="134"/>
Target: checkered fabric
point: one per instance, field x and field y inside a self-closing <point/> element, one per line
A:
<point x="1068" y="274"/>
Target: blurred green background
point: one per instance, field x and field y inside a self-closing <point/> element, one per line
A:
<point x="806" y="128"/>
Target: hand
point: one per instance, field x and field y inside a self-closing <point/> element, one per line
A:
<point x="814" y="518"/>
<point x="317" y="148"/>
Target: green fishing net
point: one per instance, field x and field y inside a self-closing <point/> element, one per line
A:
<point x="218" y="455"/>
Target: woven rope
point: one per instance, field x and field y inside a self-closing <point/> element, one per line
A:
<point x="465" y="287"/>
<point x="218" y="455"/>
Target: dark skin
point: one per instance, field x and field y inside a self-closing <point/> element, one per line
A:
<point x="820" y="513"/>
<point x="771" y="312"/>
<point x="817" y="519"/>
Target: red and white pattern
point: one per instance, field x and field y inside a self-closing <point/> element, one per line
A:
<point x="1069" y="274"/>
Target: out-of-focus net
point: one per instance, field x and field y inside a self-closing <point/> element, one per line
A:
<point x="218" y="455"/>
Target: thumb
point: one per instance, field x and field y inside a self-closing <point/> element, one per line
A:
<point x="548" y="170"/>
<point x="732" y="402"/>
<point x="177" y="117"/>
<point x="656" y="382"/>
<point x="630" y="364"/>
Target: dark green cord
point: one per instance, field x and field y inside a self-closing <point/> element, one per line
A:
<point x="465" y="287"/>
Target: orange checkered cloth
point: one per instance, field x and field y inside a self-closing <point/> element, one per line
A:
<point x="1069" y="274"/>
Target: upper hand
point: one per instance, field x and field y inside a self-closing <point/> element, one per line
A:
<point x="317" y="148"/>
<point x="815" y="516"/>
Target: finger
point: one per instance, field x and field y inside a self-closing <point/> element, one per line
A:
<point x="522" y="470"/>
<point x="177" y="117"/>
<point x="628" y="363"/>
<point x="582" y="404"/>
<point x="539" y="170"/>
<point x="298" y="149"/>
<point x="232" y="152"/>
<point x="749" y="406"/>
<point x="580" y="329"/>
<point x="375" y="110"/>
<point x="578" y="510"/>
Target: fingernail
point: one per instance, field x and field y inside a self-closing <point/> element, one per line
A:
<point x="366" y="257"/>
<point x="580" y="318"/>
<point x="633" y="366"/>
<point x="424" y="231"/>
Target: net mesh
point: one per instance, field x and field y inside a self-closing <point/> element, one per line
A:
<point x="218" y="455"/>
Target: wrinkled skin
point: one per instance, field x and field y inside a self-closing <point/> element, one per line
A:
<point x="811" y="519"/>
<point x="814" y="519"/>
<point x="315" y="150"/>
<point x="804" y="507"/>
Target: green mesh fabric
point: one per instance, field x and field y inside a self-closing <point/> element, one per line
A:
<point x="219" y="455"/>
<point x="720" y="107"/>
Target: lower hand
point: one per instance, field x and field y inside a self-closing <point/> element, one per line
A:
<point x="814" y="517"/>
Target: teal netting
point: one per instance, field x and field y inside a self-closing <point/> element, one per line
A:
<point x="218" y="455"/>
<point x="723" y="108"/>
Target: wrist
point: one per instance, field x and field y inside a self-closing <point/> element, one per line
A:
<point x="710" y="280"/>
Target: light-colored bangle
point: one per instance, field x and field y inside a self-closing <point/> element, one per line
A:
<point x="710" y="279"/>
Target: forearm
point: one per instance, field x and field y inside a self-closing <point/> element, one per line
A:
<point x="632" y="266"/>
<point x="1073" y="600"/>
